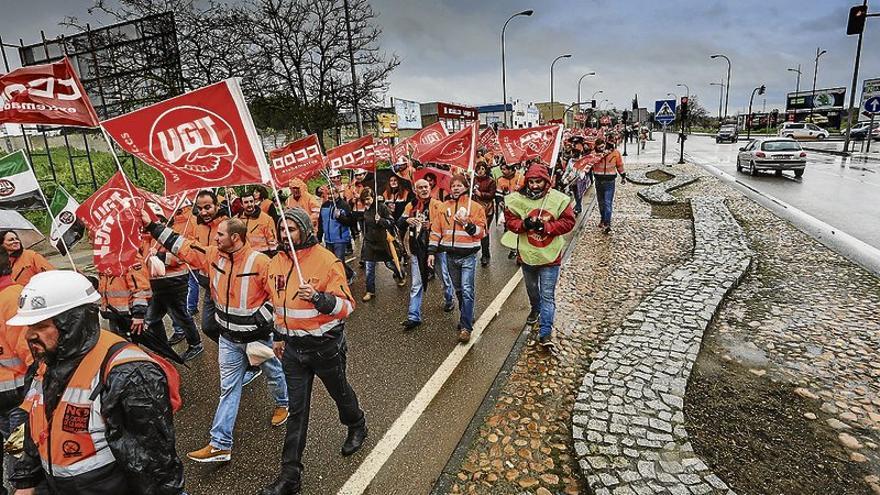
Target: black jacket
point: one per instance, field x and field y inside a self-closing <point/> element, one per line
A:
<point x="376" y="246"/>
<point x="136" y="409"/>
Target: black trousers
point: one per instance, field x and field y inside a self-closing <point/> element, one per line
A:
<point x="300" y="369"/>
<point x="172" y="301"/>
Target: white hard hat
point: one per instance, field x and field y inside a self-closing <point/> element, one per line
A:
<point x="360" y="171"/>
<point x="334" y="173"/>
<point x="51" y="293"/>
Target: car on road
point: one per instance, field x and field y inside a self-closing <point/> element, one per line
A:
<point x="775" y="154"/>
<point x="727" y="132"/>
<point x="860" y="131"/>
<point x="802" y="130"/>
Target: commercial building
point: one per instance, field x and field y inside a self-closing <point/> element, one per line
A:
<point x="523" y="115"/>
<point x="454" y="117"/>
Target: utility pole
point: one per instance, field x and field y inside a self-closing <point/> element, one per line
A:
<point x="727" y="91"/>
<point x="797" y="84"/>
<point x="857" y="17"/>
<point x="760" y="90"/>
<point x="354" y="81"/>
<point x="815" y="74"/>
<point x="504" y="67"/>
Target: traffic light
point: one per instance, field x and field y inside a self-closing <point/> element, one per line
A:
<point x="762" y="89"/>
<point x="625" y="116"/>
<point x="684" y="108"/>
<point x="856" y="22"/>
<point x="593" y="103"/>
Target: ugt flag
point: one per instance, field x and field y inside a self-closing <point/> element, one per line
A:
<point x="114" y="218"/>
<point x="201" y="139"/>
<point x="419" y="142"/>
<point x="457" y="150"/>
<point x="66" y="229"/>
<point x="300" y="159"/>
<point x="19" y="189"/>
<point x="356" y="154"/>
<point x="45" y="94"/>
<point x="542" y="142"/>
<point x="489" y="140"/>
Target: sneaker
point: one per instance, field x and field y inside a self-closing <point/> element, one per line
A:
<point x="354" y="440"/>
<point x="448" y="307"/>
<point x="484" y="262"/>
<point x="511" y="255"/>
<point x="192" y="352"/>
<point x="410" y="325"/>
<point x="368" y="297"/>
<point x="464" y="336"/>
<point x="608" y="229"/>
<point x="401" y="282"/>
<point x="546" y="341"/>
<point x="210" y="454"/>
<point x="250" y="375"/>
<point x="533" y="318"/>
<point x="176" y="338"/>
<point x="279" y="416"/>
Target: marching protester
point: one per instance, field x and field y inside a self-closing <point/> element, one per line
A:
<point x="99" y="408"/>
<point x="125" y="298"/>
<point x="335" y="219"/>
<point x="310" y="341"/>
<point x="353" y="195"/>
<point x="605" y="173"/>
<point x="457" y="232"/>
<point x="397" y="195"/>
<point x="15" y="357"/>
<point x="510" y="181"/>
<point x="378" y="246"/>
<point x="184" y="223"/>
<point x="260" y="226"/>
<point x="243" y="312"/>
<point x="25" y="262"/>
<point x="301" y="198"/>
<point x="536" y="217"/>
<point x="209" y="217"/>
<point x="266" y="205"/>
<point x="436" y="190"/>
<point x="484" y="194"/>
<point x="417" y="218"/>
<point x="582" y="179"/>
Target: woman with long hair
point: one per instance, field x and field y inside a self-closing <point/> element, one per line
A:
<point x="25" y="263"/>
<point x="378" y="223"/>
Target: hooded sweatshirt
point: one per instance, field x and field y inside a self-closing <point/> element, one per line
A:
<point x="306" y="201"/>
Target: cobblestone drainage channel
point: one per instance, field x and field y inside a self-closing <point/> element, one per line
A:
<point x="628" y="423"/>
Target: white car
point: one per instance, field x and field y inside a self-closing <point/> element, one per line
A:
<point x="775" y="154"/>
<point x="802" y="130"/>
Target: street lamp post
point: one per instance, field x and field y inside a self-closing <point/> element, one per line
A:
<point x="760" y="90"/>
<point x="797" y="86"/>
<point x="503" y="68"/>
<point x="552" y="106"/>
<point x="593" y="103"/>
<point x="727" y="87"/>
<point x="579" y="85"/>
<point x="720" y="99"/>
<point x="815" y="74"/>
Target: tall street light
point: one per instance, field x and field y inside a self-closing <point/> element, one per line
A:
<point x="815" y="73"/>
<point x="797" y="85"/>
<point x="552" y="106"/>
<point x="503" y="68"/>
<point x="720" y="99"/>
<point x="673" y="95"/>
<point x="727" y="86"/>
<point x="579" y="86"/>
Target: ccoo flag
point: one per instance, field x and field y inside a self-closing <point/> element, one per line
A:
<point x="19" y="189"/>
<point x="66" y="229"/>
<point x="48" y="94"/>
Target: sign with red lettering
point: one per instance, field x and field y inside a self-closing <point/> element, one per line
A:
<point x="300" y="159"/>
<point x="48" y="94"/>
<point x="542" y="142"/>
<point x="356" y="154"/>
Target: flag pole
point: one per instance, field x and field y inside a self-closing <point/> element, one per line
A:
<point x="49" y="212"/>
<point x="287" y="231"/>
<point x="472" y="165"/>
<point x="554" y="158"/>
<point x="118" y="163"/>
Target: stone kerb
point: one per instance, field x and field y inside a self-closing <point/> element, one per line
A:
<point x="628" y="423"/>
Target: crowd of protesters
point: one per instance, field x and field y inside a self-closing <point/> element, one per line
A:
<point x="95" y="410"/>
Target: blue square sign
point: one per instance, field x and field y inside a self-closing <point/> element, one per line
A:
<point x="664" y="111"/>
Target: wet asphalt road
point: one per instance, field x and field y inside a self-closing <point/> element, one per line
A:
<point x="840" y="191"/>
<point x="386" y="367"/>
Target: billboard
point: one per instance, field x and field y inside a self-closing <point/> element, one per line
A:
<point x="824" y="107"/>
<point x="409" y="113"/>
<point x="870" y="89"/>
<point x="388" y="125"/>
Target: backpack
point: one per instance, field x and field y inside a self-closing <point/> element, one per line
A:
<point x="172" y="376"/>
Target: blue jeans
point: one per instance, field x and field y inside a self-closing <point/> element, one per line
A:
<point x="170" y="301"/>
<point x="338" y="249"/>
<point x="233" y="363"/>
<point x="192" y="295"/>
<point x="416" y="290"/>
<point x="370" y="268"/>
<point x="605" y="197"/>
<point x="9" y="421"/>
<point x="442" y="266"/>
<point x="462" y="271"/>
<point x="541" y="288"/>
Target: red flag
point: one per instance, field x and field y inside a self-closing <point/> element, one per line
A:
<point x="420" y="142"/>
<point x="456" y="150"/>
<point x="519" y="145"/>
<point x="114" y="219"/>
<point x="489" y="140"/>
<point x="48" y="94"/>
<point x="201" y="139"/>
<point x="587" y="161"/>
<point x="356" y="154"/>
<point x="382" y="148"/>
<point x="300" y="159"/>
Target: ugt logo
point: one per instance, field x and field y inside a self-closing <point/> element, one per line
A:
<point x="194" y="141"/>
<point x="536" y="141"/>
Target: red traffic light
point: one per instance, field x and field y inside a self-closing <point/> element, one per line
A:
<point x="684" y="100"/>
<point x="856" y="22"/>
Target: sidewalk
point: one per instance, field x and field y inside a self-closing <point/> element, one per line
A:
<point x="782" y="383"/>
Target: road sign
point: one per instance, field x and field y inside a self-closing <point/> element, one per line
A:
<point x="664" y="111"/>
<point x="872" y="105"/>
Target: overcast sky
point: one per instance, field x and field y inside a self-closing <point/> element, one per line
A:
<point x="450" y="49"/>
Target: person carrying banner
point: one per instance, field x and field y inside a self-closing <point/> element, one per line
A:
<point x="239" y="289"/>
<point x="417" y="218"/>
<point x="457" y="232"/>
<point x="397" y="196"/>
<point x="536" y="217"/>
<point x="125" y="299"/>
<point x="310" y="341"/>
<point x="605" y="172"/>
<point x="353" y="195"/>
<point x="260" y="226"/>
<point x="25" y="262"/>
<point x="484" y="194"/>
<point x="100" y="414"/>
<point x="378" y="228"/>
<point x="208" y="219"/>
<point x="301" y="198"/>
<point x="334" y="226"/>
<point x="510" y="181"/>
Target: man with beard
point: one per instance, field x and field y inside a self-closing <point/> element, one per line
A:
<point x="536" y="218"/>
<point x="100" y="416"/>
<point x="300" y="198"/>
<point x="208" y="218"/>
<point x="310" y="312"/>
<point x="260" y="226"/>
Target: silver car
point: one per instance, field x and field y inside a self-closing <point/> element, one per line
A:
<point x="775" y="154"/>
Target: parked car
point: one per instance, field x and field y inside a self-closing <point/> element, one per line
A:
<point x="860" y="131"/>
<point x="775" y="154"/>
<point x="802" y="130"/>
<point x="727" y="132"/>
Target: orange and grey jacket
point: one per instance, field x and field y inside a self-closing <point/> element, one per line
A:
<point x="15" y="356"/>
<point x="126" y="295"/>
<point x="204" y="235"/>
<point x="449" y="236"/>
<point x="260" y="231"/>
<point x="27" y="264"/>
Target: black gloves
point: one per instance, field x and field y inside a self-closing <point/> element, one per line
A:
<point x="623" y="177"/>
<point x="470" y="228"/>
<point x="533" y="223"/>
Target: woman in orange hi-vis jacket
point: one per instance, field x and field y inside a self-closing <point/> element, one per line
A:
<point x="25" y="263"/>
<point x="605" y="172"/>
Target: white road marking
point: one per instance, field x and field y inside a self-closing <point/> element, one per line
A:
<point x="367" y="471"/>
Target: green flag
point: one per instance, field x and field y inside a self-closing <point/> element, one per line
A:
<point x="66" y="229"/>
<point x="19" y="189"/>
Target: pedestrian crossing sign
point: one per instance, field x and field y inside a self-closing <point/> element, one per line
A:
<point x="664" y="111"/>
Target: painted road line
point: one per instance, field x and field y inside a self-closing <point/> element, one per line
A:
<point x="855" y="250"/>
<point x="367" y="471"/>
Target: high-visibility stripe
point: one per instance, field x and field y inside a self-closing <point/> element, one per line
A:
<point x="221" y="264"/>
<point x="234" y="327"/>
<point x="297" y="313"/>
<point x="116" y="293"/>
<point x="130" y="353"/>
<point x="175" y="248"/>
<point x="10" y="362"/>
<point x="15" y="383"/>
<point x="294" y="332"/>
<point x="166" y="233"/>
<point x="240" y="312"/>
<point x="341" y="304"/>
<point x="246" y="281"/>
<point x="101" y="458"/>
